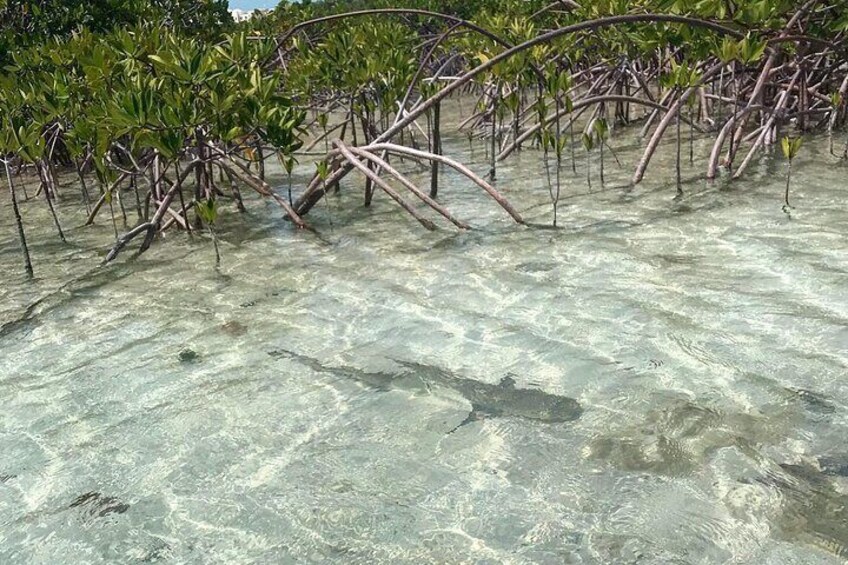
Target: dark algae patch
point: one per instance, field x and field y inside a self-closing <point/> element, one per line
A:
<point x="678" y="436"/>
<point x="188" y="356"/>
<point x="234" y="328"/>
<point x="97" y="505"/>
<point x="814" y="510"/>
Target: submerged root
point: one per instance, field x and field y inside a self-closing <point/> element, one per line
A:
<point x="369" y="174"/>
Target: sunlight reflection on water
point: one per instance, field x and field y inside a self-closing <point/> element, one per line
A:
<point x="705" y="341"/>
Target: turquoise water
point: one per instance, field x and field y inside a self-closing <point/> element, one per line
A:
<point x="656" y="381"/>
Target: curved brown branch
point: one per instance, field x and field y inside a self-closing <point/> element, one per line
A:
<point x="577" y="106"/>
<point x="673" y="111"/>
<point x="754" y="97"/>
<point x="281" y="40"/>
<point x="352" y="159"/>
<point x="459" y="167"/>
<point x="309" y="198"/>
<point x="125" y="239"/>
<point x="409" y="185"/>
<point x="257" y="184"/>
<point x="102" y="200"/>
<point x="783" y="99"/>
<point x="149" y="228"/>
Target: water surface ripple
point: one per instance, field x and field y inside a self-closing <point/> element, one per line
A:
<point x="656" y="381"/>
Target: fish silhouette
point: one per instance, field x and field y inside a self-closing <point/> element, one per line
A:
<point x="487" y="400"/>
<point x="815" y="510"/>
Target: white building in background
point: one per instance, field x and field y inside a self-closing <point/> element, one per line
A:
<point x="244" y="15"/>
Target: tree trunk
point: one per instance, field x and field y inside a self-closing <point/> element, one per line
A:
<point x="437" y="149"/>
<point x="19" y="222"/>
<point x="134" y="185"/>
<point x="43" y="176"/>
<point x="677" y="161"/>
<point x="691" y="137"/>
<point x="786" y="205"/>
<point x="260" y="154"/>
<point x="366" y="133"/>
<point x="182" y="199"/>
<point x="732" y="151"/>
<point x="494" y="140"/>
<point x="83" y="187"/>
<point x="215" y="245"/>
<point x="601" y="143"/>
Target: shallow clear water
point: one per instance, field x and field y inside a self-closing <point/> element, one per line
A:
<point x="333" y="409"/>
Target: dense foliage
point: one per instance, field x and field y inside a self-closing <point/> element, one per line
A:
<point x="27" y="22"/>
<point x="126" y="91"/>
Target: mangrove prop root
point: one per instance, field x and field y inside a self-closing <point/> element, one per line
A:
<point x="259" y="185"/>
<point x="150" y="228"/>
<point x="352" y="159"/>
<point x="18" y="221"/>
<point x="457" y="166"/>
<point x="409" y="185"/>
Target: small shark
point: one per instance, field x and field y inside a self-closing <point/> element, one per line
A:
<point x="815" y="509"/>
<point x="487" y="400"/>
